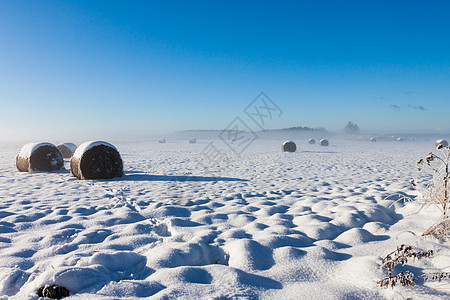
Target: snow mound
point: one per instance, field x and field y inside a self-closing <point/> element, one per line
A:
<point x="356" y="236"/>
<point x="122" y="261"/>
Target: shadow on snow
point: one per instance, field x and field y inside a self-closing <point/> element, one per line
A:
<point x="148" y="177"/>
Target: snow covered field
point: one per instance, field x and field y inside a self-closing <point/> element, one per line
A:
<point x="307" y="225"/>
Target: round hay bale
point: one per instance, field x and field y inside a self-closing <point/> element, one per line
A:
<point x="441" y="144"/>
<point x="162" y="141"/>
<point x="39" y="157"/>
<point x="96" y="160"/>
<point x="288" y="146"/>
<point x="323" y="142"/>
<point x="67" y="149"/>
<point x="192" y="140"/>
<point x="400" y="139"/>
<point x="373" y="140"/>
<point x="311" y="141"/>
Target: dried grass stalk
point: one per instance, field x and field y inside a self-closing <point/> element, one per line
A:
<point x="437" y="190"/>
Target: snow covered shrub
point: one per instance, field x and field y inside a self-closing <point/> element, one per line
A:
<point x="437" y="190"/>
<point x="288" y="146"/>
<point x="67" y="149"/>
<point x="96" y="160"/>
<point x="53" y="292"/>
<point x="39" y="157"/>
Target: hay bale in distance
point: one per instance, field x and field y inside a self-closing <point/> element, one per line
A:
<point x="39" y="157"/>
<point x="96" y="160"/>
<point x="288" y="146"/>
<point x="67" y="149"/>
<point x="373" y="140"/>
<point x="323" y="142"/>
<point x="400" y="139"/>
<point x="162" y="141"/>
<point x="192" y="140"/>
<point x="311" y="141"/>
<point x="441" y="144"/>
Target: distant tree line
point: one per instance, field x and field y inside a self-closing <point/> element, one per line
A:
<point x="304" y="128"/>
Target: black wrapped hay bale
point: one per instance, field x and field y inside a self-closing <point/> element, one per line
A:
<point x="323" y="142"/>
<point x="288" y="146"/>
<point x="39" y="157"/>
<point x="373" y="140"/>
<point x="162" y="141"/>
<point x="96" y="160"/>
<point x="311" y="141"/>
<point x="441" y="144"/>
<point x="192" y="140"/>
<point x="67" y="149"/>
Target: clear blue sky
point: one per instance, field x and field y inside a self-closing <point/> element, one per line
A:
<point x="137" y="67"/>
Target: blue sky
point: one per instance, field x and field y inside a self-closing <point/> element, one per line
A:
<point x="124" y="68"/>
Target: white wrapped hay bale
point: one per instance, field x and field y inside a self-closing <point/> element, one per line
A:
<point x="39" y="157"/>
<point x="67" y="149"/>
<point x="96" y="160"/>
<point x="323" y="142"/>
<point x="441" y="144"/>
<point x="192" y="140"/>
<point x="288" y="146"/>
<point x="311" y="141"/>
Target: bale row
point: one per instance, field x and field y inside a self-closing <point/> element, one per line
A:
<point x="290" y="146"/>
<point x="91" y="160"/>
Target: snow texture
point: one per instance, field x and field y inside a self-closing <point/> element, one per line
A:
<point x="311" y="225"/>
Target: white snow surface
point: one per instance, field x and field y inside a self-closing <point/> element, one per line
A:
<point x="313" y="224"/>
<point x="88" y="145"/>
<point x="28" y="149"/>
